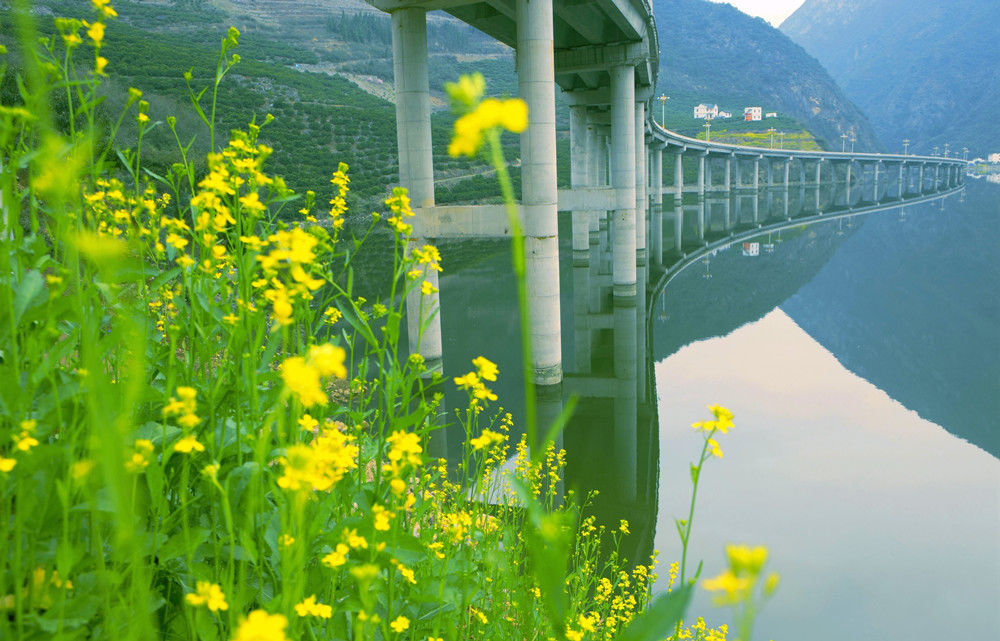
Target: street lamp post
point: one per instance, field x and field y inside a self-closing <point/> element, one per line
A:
<point x="781" y="141"/>
<point x="771" y="131"/>
<point x="945" y="150"/>
<point x="708" y="130"/>
<point x="965" y="153"/>
<point x="843" y="143"/>
<point x="854" y="139"/>
<point x="663" y="109"/>
<point x="906" y="144"/>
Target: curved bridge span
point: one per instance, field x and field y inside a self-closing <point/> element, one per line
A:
<point x="603" y="55"/>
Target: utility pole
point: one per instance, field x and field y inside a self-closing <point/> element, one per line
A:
<point x="781" y="142"/>
<point x="843" y="143"/>
<point x="771" y="131"/>
<point x="854" y="139"/>
<point x="965" y="153"/>
<point x="708" y="130"/>
<point x="945" y="150"/>
<point x="663" y="109"/>
<point x="906" y="144"/>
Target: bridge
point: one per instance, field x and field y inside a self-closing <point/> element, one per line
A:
<point x="604" y="56"/>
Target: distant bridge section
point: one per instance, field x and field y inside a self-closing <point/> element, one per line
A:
<point x="603" y="55"/>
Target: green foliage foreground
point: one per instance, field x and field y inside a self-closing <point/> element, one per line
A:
<point x="204" y="433"/>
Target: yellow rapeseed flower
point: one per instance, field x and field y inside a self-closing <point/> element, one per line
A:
<point x="400" y="624"/>
<point x="7" y="464"/>
<point x="188" y="444"/>
<point x="309" y="607"/>
<point x="207" y="594"/>
<point x="261" y="626"/>
<point x="304" y="381"/>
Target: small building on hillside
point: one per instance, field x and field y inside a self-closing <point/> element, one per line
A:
<point x="724" y="114"/>
<point x="751" y="113"/>
<point x="706" y="112"/>
<point x="771" y="114"/>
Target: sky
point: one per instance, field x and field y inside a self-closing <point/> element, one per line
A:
<point x="774" y="11"/>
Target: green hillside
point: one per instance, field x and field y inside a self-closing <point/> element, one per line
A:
<point x="712" y="53"/>
<point x="921" y="69"/>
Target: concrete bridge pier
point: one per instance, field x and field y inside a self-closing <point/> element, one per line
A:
<point x="902" y="182"/>
<point x="770" y="173"/>
<point x="539" y="196"/>
<point x="802" y="172"/>
<point x="788" y="168"/>
<point x="641" y="178"/>
<point x="726" y="184"/>
<point x="679" y="225"/>
<point x="416" y="166"/>
<point x="701" y="219"/>
<point x="937" y="176"/>
<point x="679" y="174"/>
<point x="847" y="185"/>
<point x="756" y="173"/>
<point x="708" y="172"/>
<point x="875" y="167"/>
<point x="623" y="228"/>
<point x="701" y="174"/>
<point x="785" y="198"/>
<point x="656" y="246"/>
<point x="739" y="171"/>
<point x="626" y="349"/>
<point x="920" y="179"/>
<point x="580" y="178"/>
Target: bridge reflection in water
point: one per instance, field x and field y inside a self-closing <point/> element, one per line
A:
<point x="612" y="441"/>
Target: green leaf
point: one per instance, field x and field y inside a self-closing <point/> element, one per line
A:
<point x="659" y="619"/>
<point x="29" y="290"/>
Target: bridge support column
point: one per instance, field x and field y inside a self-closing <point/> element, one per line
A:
<point x="802" y="172"/>
<point x="877" y="164"/>
<point x="937" y="176"/>
<point x="623" y="178"/>
<point x="656" y="246"/>
<point x="902" y="183"/>
<point x="729" y="170"/>
<point x="920" y="179"/>
<point x="770" y="173"/>
<point x="847" y="185"/>
<point x="708" y="172"/>
<point x="788" y="170"/>
<point x="819" y="171"/>
<point x="701" y="175"/>
<point x="756" y="174"/>
<point x="416" y="165"/>
<point x="679" y="175"/>
<point x="641" y="180"/>
<point x="738" y="166"/>
<point x="579" y="177"/>
<point x="539" y="196"/>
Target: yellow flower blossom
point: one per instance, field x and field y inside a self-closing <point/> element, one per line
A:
<point x="309" y="607"/>
<point x="400" y="624"/>
<point x="338" y="557"/>
<point x="261" y="626"/>
<point x="304" y="381"/>
<point x="207" y="594"/>
<point x="7" y="464"/>
<point x="188" y="444"/>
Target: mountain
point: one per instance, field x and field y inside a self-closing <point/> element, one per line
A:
<point x="927" y="70"/>
<point x="714" y="53"/>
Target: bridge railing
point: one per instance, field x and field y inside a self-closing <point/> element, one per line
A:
<point x="672" y="138"/>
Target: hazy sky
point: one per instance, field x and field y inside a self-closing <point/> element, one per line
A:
<point x="774" y="11"/>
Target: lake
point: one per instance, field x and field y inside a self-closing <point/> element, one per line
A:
<point x="861" y="358"/>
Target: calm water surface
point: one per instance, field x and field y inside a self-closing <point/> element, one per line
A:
<point x="862" y="360"/>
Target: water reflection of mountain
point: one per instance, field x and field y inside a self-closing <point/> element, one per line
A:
<point x="742" y="289"/>
<point x="912" y="307"/>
